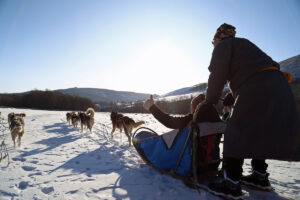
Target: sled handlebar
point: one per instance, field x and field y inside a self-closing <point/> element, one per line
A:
<point x="133" y="136"/>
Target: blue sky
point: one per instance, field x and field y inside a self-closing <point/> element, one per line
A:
<point x="128" y="45"/>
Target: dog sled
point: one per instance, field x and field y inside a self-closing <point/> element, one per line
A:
<point x="191" y="154"/>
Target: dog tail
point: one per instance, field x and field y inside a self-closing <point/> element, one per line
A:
<point x="137" y="124"/>
<point x="90" y="111"/>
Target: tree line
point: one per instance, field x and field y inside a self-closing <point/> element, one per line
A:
<point x="46" y="100"/>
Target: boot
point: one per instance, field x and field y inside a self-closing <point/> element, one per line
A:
<point x="227" y="188"/>
<point x="257" y="180"/>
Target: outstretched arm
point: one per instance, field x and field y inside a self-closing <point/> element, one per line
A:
<point x="170" y="121"/>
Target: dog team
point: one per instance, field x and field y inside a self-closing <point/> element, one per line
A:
<point x="86" y="120"/>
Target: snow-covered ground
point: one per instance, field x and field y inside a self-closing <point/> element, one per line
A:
<point x="56" y="161"/>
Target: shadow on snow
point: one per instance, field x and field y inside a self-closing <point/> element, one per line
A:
<point x="100" y="161"/>
<point x="54" y="142"/>
<point x="135" y="179"/>
<point x="61" y="128"/>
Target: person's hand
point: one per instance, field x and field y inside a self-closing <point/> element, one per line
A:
<point x="228" y="100"/>
<point x="148" y="103"/>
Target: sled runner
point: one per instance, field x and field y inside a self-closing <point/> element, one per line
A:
<point x="191" y="154"/>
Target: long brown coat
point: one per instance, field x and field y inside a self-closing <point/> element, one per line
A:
<point x="264" y="123"/>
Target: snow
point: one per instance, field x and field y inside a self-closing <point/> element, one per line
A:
<point x="56" y="161"/>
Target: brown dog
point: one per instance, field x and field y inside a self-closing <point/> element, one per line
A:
<point x="16" y="127"/>
<point x="87" y="119"/>
<point x="123" y="122"/>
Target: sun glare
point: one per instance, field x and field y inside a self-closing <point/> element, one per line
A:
<point x="161" y="63"/>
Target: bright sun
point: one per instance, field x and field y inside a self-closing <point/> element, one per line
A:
<point x="162" y="65"/>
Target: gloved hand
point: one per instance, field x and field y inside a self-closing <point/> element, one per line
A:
<point x="148" y="103"/>
<point x="228" y="100"/>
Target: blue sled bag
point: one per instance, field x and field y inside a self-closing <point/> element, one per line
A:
<point x="173" y="152"/>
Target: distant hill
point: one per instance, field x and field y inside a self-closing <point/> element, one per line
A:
<point x="105" y="95"/>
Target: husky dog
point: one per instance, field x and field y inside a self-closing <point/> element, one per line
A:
<point x="16" y="127"/>
<point x="87" y="119"/>
<point x="123" y="122"/>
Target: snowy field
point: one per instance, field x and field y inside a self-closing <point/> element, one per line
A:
<point x="56" y="161"/>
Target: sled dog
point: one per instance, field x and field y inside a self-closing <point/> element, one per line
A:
<point x="87" y="119"/>
<point x="123" y="122"/>
<point x="16" y="127"/>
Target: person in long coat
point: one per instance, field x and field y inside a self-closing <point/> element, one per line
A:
<point x="264" y="123"/>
